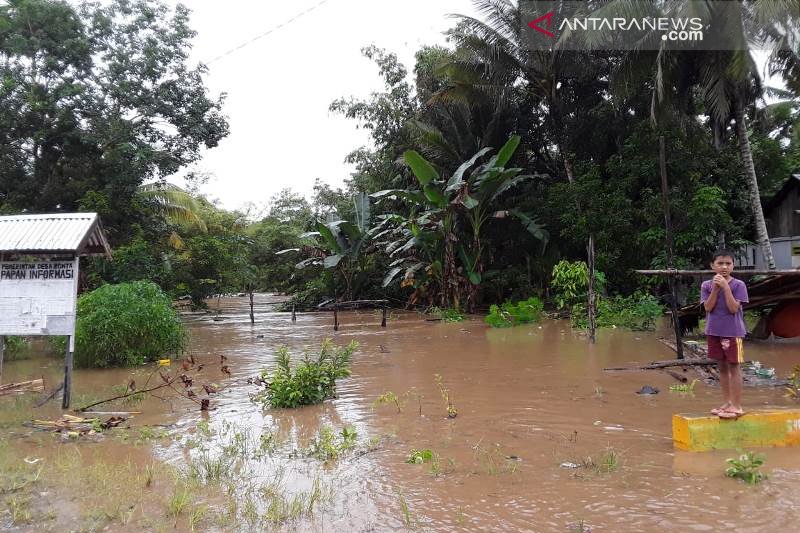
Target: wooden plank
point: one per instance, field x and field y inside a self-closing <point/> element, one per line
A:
<point x="763" y="428"/>
<point x="736" y="273"/>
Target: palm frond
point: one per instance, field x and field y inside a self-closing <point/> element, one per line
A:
<point x="174" y="204"/>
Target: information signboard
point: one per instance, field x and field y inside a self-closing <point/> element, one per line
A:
<point x="38" y="297"/>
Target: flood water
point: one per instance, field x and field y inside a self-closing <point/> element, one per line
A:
<point x="528" y="399"/>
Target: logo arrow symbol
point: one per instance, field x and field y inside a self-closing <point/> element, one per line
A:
<point x="535" y="24"/>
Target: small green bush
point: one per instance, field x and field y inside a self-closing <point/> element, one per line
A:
<point x="570" y="283"/>
<point x="16" y="348"/>
<point x="637" y="312"/>
<point x="512" y="314"/>
<point x="448" y="314"/>
<point x="312" y="381"/>
<point x="746" y="467"/>
<point x="126" y="324"/>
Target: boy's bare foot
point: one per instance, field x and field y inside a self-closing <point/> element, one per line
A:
<point x="719" y="410"/>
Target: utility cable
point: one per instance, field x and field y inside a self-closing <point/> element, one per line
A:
<point x="271" y="30"/>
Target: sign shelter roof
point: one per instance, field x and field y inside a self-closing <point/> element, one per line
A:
<point x="76" y="233"/>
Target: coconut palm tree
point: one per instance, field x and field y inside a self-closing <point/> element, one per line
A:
<point x="727" y="80"/>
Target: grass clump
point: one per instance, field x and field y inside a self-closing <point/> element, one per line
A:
<point x="328" y="446"/>
<point x="793" y="387"/>
<point x="311" y="381"/>
<point x="638" y="312"/>
<point x="512" y="314"/>
<point x="125" y="325"/>
<point x="746" y="467"/>
<point x="683" y="388"/>
<point x="16" y="348"/>
<point x="418" y="457"/>
<point x="447" y="314"/>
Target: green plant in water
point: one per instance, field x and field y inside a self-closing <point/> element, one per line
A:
<point x="511" y="314"/>
<point x="606" y="463"/>
<point x="793" y="387"/>
<point x="448" y="314"/>
<point x="327" y="447"/>
<point x="683" y="388"/>
<point x="570" y="283"/>
<point x="418" y="457"/>
<point x="638" y="312"/>
<point x="389" y="397"/>
<point x="746" y="467"/>
<point x="446" y="396"/>
<point x="311" y="381"/>
<point x="16" y="348"/>
<point x="125" y="325"/>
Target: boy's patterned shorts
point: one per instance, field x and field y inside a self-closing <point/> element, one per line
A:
<point x="728" y="349"/>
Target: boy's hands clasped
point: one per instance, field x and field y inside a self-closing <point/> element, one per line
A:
<point x="720" y="282"/>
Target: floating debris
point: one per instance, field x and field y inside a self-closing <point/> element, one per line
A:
<point x="74" y="426"/>
<point x="36" y="385"/>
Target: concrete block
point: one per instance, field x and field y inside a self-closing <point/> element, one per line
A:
<point x="761" y="428"/>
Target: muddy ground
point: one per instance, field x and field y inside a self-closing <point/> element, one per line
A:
<point x="529" y="400"/>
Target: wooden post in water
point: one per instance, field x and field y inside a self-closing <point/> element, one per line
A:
<point x="670" y="263"/>
<point x="336" y="317"/>
<point x="383" y="320"/>
<point x="252" y="317"/>
<point x="68" y="373"/>
<point x="294" y="315"/>
<point x="592" y="307"/>
<point x="2" y="349"/>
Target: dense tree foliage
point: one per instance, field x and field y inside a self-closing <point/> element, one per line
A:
<point x="441" y="209"/>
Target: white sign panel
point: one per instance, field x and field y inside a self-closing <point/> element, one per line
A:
<point x="38" y="298"/>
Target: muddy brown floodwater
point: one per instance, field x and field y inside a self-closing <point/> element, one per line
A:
<point x="529" y="399"/>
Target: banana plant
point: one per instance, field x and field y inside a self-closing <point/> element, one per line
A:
<point x="471" y="194"/>
<point x="339" y="245"/>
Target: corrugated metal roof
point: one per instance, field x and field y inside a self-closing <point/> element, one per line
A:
<point x="59" y="232"/>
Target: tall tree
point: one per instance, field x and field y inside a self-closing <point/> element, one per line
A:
<point x="95" y="100"/>
<point x="727" y="79"/>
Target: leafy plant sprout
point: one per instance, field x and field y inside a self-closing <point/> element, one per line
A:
<point x="446" y="396"/>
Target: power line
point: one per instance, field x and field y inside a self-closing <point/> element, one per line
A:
<point x="271" y="30"/>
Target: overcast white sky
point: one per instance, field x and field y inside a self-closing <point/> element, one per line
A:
<point x="280" y="86"/>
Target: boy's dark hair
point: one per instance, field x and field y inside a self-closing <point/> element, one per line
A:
<point x="722" y="252"/>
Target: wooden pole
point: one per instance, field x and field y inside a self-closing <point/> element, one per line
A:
<point x="252" y="317"/>
<point x="591" y="308"/>
<point x="336" y="317"/>
<point x="383" y="320"/>
<point x="670" y="259"/>
<point x="294" y="314"/>
<point x="2" y="350"/>
<point x="68" y="373"/>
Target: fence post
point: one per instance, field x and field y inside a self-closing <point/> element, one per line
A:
<point x="294" y="315"/>
<point x="2" y="349"/>
<point x="668" y="228"/>
<point x="336" y="317"/>
<point x="383" y="320"/>
<point x="68" y="374"/>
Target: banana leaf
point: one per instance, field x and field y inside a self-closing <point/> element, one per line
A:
<point x="424" y="171"/>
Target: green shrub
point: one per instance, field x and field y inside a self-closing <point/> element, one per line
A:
<point x="570" y="283"/>
<point x="637" y="312"/>
<point x="512" y="314"/>
<point x="746" y="467"/>
<point x="448" y="314"/>
<point x="126" y="324"/>
<point x="16" y="348"/>
<point x="312" y="381"/>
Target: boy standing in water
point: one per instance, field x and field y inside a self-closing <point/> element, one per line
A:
<point x="722" y="298"/>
